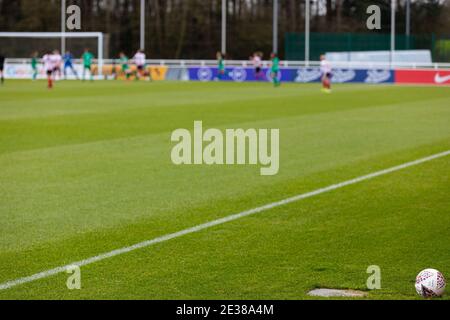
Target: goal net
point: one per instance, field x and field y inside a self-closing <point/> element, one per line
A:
<point x="19" y="47"/>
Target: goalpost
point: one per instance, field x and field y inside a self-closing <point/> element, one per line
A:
<point x="62" y="35"/>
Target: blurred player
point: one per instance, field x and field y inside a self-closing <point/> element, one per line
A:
<point x="87" y="63"/>
<point x="48" y="67"/>
<point x="124" y="65"/>
<point x="68" y="64"/>
<point x="139" y="60"/>
<point x="220" y="65"/>
<point x="275" y="69"/>
<point x="257" y="64"/>
<point x="34" y="65"/>
<point x="57" y="64"/>
<point x="325" y="69"/>
<point x="2" y="66"/>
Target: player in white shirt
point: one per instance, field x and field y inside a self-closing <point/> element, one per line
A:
<point x="325" y="69"/>
<point x="257" y="63"/>
<point x="48" y="67"/>
<point x="139" y="60"/>
<point x="57" y="61"/>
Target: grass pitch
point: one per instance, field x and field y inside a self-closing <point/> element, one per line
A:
<point x="86" y="169"/>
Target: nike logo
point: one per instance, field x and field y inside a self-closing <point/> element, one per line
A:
<point x="439" y="79"/>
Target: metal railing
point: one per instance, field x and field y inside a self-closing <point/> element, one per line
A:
<point x="283" y="64"/>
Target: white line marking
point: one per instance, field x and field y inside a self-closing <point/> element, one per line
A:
<point x="103" y="256"/>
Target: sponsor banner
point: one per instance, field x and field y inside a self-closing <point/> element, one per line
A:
<point x="24" y="71"/>
<point x="177" y="73"/>
<point x="158" y="73"/>
<point x="346" y="75"/>
<point x="301" y="75"/>
<point x="236" y="74"/>
<point x="434" y="77"/>
<point x="241" y="74"/>
<point x="379" y="76"/>
<point x="19" y="71"/>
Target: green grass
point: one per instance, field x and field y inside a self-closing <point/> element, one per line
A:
<point x="86" y="169"/>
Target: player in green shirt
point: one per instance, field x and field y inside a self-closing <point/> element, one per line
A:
<point x="275" y="69"/>
<point x="220" y="65"/>
<point x="87" y="63"/>
<point x="34" y="65"/>
<point x="124" y="64"/>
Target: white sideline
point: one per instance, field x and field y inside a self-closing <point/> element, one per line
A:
<point x="50" y="272"/>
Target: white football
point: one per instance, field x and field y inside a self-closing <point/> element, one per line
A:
<point x="430" y="283"/>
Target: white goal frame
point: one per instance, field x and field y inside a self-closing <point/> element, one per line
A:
<point x="63" y="35"/>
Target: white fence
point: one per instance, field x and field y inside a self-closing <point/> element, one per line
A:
<point x="285" y="64"/>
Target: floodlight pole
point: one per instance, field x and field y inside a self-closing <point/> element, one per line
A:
<point x="63" y="26"/>
<point x="142" y="43"/>
<point x="275" y="27"/>
<point x="224" y="27"/>
<point x="408" y="22"/>
<point x="408" y="17"/>
<point x="307" y="21"/>
<point x="393" y="6"/>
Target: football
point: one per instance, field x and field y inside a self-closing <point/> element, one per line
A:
<point x="430" y="283"/>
